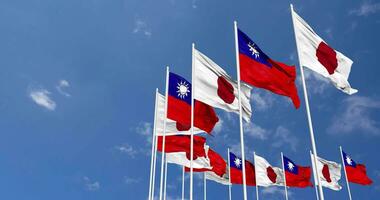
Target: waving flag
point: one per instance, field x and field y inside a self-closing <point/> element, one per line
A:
<point x="330" y="173"/>
<point x="177" y="149"/>
<point x="356" y="173"/>
<point x="317" y="55"/>
<point x="257" y="69"/>
<point x="236" y="171"/>
<point x="266" y="174"/>
<point x="179" y="106"/>
<point x="216" y="88"/>
<point x="296" y="176"/>
<point x="218" y="171"/>
<point x="172" y="127"/>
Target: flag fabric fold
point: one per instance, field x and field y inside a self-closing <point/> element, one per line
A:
<point x="257" y="69"/>
<point x="329" y="171"/>
<point x="172" y="127"/>
<point x="356" y="173"/>
<point x="317" y="55"/>
<point x="236" y="171"/>
<point x="216" y="88"/>
<point x="177" y="150"/>
<point x="295" y="175"/>
<point x="179" y="106"/>
<point x="266" y="174"/>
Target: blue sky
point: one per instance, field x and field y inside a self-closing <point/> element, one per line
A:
<point x="78" y="78"/>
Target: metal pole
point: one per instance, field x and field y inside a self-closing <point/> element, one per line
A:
<point x="152" y="161"/>
<point x="257" y="187"/>
<point x="192" y="122"/>
<point x="345" y="173"/>
<point x="314" y="148"/>
<point x="229" y="175"/>
<point x="283" y="169"/>
<point x="314" y="166"/>
<point x="166" y="177"/>
<point x="164" y="133"/>
<point x="240" y="112"/>
<point x="183" y="183"/>
<point x="204" y="186"/>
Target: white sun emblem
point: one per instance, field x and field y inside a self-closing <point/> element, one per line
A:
<point x="237" y="162"/>
<point x="253" y="50"/>
<point x="182" y="89"/>
<point x="348" y="160"/>
<point x="290" y="166"/>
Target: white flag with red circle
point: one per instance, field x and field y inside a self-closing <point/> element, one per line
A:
<point x="315" y="54"/>
<point x="266" y="174"/>
<point x="329" y="173"/>
<point x="216" y="88"/>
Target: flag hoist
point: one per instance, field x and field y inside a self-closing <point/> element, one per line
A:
<point x="313" y="145"/>
<point x="164" y="133"/>
<point x="240" y="111"/>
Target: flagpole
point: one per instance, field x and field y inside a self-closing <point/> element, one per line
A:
<point x="154" y="164"/>
<point x="345" y="173"/>
<point x="257" y="187"/>
<point x="164" y="133"/>
<point x="192" y="121"/>
<point x="315" y="178"/>
<point x="240" y="112"/>
<point x="183" y="183"/>
<point x="308" y="110"/>
<point x="153" y="147"/>
<point x="204" y="186"/>
<point x="166" y="176"/>
<point x="283" y="170"/>
<point x="229" y="175"/>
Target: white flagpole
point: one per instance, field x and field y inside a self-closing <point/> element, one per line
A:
<point x="257" y="187"/>
<point x="192" y="122"/>
<point x="154" y="164"/>
<point x="314" y="166"/>
<point x="345" y="173"/>
<point x="229" y="175"/>
<point x="151" y="185"/>
<point x="166" y="176"/>
<point x="183" y="182"/>
<point x="283" y="170"/>
<point x="307" y="110"/>
<point x="164" y="133"/>
<point x="240" y="112"/>
<point x="204" y="186"/>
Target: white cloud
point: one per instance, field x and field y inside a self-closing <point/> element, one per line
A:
<point x="262" y="100"/>
<point x="275" y="191"/>
<point x="142" y="27"/>
<point x="218" y="127"/>
<point x="329" y="33"/>
<point x="256" y="131"/>
<point x="366" y="8"/>
<point x="129" y="180"/>
<point x="316" y="83"/>
<point x="127" y="149"/>
<point x="283" y="137"/>
<point x="145" y="129"/>
<point x="91" y="185"/>
<point x="355" y="115"/>
<point x="62" y="84"/>
<point x="41" y="97"/>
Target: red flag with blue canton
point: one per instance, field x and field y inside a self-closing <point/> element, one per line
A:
<point x="295" y="175"/>
<point x="179" y="106"/>
<point x="236" y="171"/>
<point x="257" y="69"/>
<point x="356" y="173"/>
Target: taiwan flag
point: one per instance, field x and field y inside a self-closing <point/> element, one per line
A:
<point x="356" y="173"/>
<point x="295" y="175"/>
<point x="257" y="69"/>
<point x="179" y="106"/>
<point x="236" y="171"/>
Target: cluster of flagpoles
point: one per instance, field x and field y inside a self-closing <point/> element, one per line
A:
<point x="163" y="169"/>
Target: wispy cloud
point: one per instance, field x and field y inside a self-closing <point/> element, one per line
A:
<point x="316" y="83"/>
<point x="283" y="137"/>
<point x="42" y="98"/>
<point x="262" y="100"/>
<point x="275" y="191"/>
<point x="256" y="131"/>
<point x="366" y="8"/>
<point x="142" y="28"/>
<point x="130" y="180"/>
<point x="127" y="149"/>
<point x="145" y="129"/>
<point x="218" y="127"/>
<point x="62" y="85"/>
<point x="91" y="185"/>
<point x="355" y="115"/>
<point x="194" y="4"/>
